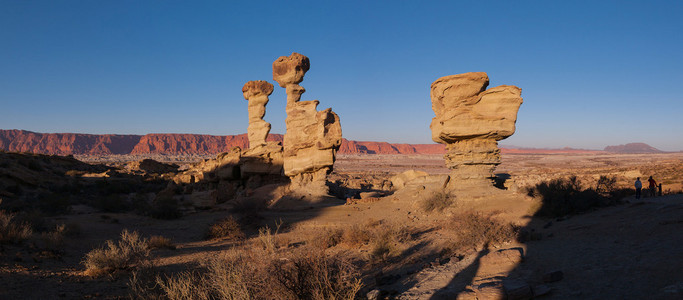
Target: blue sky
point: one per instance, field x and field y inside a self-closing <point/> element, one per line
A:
<point x="593" y="73"/>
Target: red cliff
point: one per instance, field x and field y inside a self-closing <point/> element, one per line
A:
<point x="171" y="144"/>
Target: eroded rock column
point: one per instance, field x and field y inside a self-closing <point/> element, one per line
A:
<point x="257" y="92"/>
<point x="312" y="137"/>
<point x="471" y="120"/>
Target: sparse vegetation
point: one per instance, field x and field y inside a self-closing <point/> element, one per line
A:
<point x="437" y="201"/>
<point x="160" y="242"/>
<point x="306" y="274"/>
<point x="474" y="229"/>
<point x="12" y="231"/>
<point x="130" y="250"/>
<point x="226" y="228"/>
<point x="565" y="196"/>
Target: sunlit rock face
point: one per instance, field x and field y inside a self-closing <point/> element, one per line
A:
<point x="470" y="120"/>
<point x="257" y="92"/>
<point x="312" y="137"/>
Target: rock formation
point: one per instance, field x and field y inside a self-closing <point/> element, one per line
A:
<point x="313" y="137"/>
<point x="257" y="92"/>
<point x="471" y="120"/>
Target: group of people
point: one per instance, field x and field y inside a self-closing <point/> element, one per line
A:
<point x="652" y="187"/>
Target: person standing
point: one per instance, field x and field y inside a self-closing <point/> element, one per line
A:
<point x="639" y="187"/>
<point x="653" y="186"/>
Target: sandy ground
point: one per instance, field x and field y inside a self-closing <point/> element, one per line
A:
<point x="628" y="251"/>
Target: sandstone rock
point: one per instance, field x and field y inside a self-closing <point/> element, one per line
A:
<point x="264" y="159"/>
<point x="471" y="120"/>
<point x="400" y="180"/>
<point x="257" y="92"/>
<point x="313" y="137"/>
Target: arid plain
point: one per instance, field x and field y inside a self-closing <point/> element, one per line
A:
<point x="372" y="241"/>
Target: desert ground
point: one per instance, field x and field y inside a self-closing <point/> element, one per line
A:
<point x="367" y="240"/>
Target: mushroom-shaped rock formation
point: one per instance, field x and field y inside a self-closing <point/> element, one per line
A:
<point x="257" y="92"/>
<point x="312" y="137"/>
<point x="471" y="120"/>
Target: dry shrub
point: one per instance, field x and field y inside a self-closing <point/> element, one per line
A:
<point x="387" y="240"/>
<point x="327" y="238"/>
<point x="267" y="239"/>
<point x="12" y="231"/>
<point x="226" y="228"/>
<point x="356" y="236"/>
<point x="130" y="250"/>
<point x="565" y="196"/>
<point x="474" y="229"/>
<point x="160" y="242"/>
<point x="307" y="274"/>
<point x="437" y="201"/>
<point x="314" y="275"/>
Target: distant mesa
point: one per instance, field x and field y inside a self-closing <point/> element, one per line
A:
<point x="633" y="148"/>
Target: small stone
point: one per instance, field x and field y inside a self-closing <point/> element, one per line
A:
<point x="373" y="295"/>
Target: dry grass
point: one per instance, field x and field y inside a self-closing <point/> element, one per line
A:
<point x="12" y="231"/>
<point x="130" y="250"/>
<point x="305" y="274"/>
<point x="474" y="229"/>
<point x="160" y="242"/>
<point x="226" y="228"/>
<point x="438" y="201"/>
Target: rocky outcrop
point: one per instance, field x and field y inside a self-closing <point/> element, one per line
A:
<point x="257" y="92"/>
<point x="470" y="120"/>
<point x="313" y="137"/>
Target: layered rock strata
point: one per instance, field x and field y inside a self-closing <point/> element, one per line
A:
<point x="257" y="92"/>
<point x="262" y="158"/>
<point x="471" y="120"/>
<point x="312" y="137"/>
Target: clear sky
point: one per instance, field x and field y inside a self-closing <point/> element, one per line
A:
<point x="592" y="73"/>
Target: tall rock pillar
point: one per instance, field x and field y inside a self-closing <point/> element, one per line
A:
<point x="257" y="92"/>
<point x="312" y="137"/>
<point x="471" y="120"/>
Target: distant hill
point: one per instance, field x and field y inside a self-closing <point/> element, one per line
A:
<point x="633" y="148"/>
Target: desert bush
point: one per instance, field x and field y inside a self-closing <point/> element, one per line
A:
<point x="160" y="242"/>
<point x="306" y="274"/>
<point x="563" y="196"/>
<point x="355" y="236"/>
<point x="130" y="250"/>
<point x="386" y="240"/>
<point x="437" y="201"/>
<point x="267" y="239"/>
<point x="327" y="238"/>
<point x="314" y="275"/>
<point x="12" y="231"/>
<point x="606" y="185"/>
<point x="474" y="229"/>
<point x="226" y="228"/>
